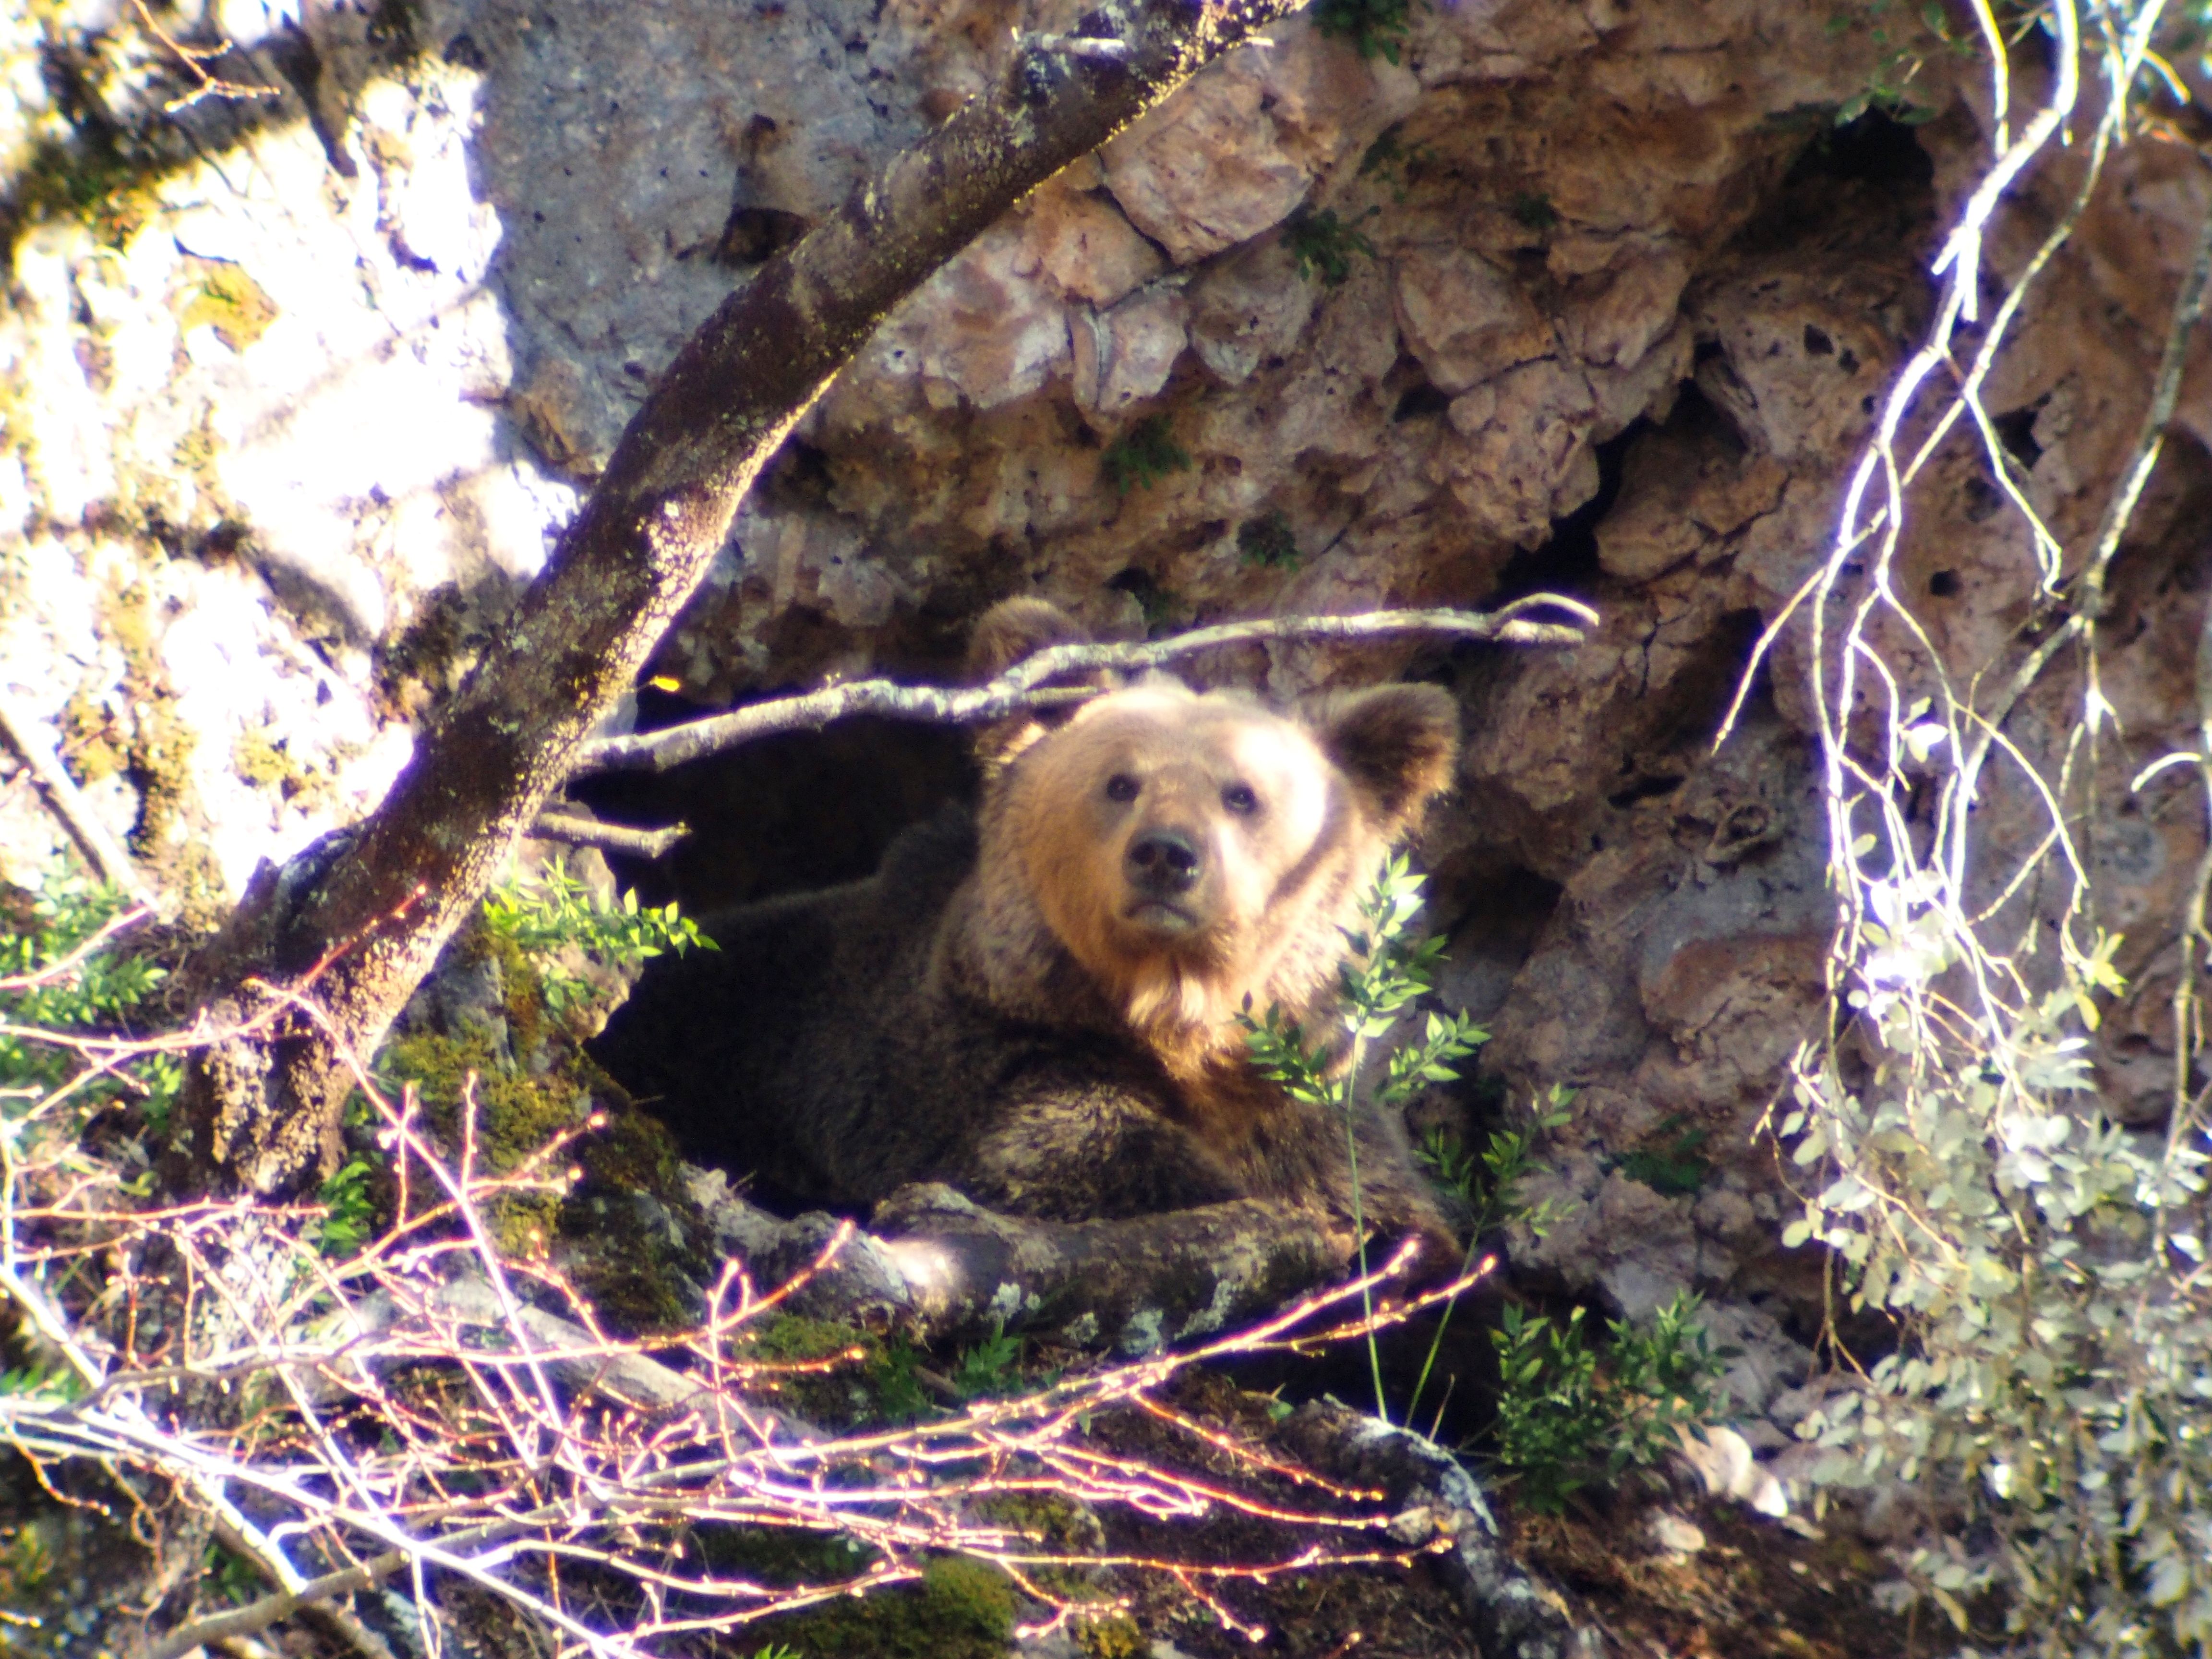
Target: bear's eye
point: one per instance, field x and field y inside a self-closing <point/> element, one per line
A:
<point x="1121" y="787"/>
<point x="1239" y="798"/>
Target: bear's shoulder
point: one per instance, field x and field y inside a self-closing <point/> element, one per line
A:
<point x="930" y="860"/>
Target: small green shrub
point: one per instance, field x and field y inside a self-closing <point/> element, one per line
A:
<point x="1564" y="1423"/>
<point x="349" y="1197"/>
<point x="1377" y="28"/>
<point x="1144" y="455"/>
<point x="1266" y="541"/>
<point x="991" y="1366"/>
<point x="1322" y="245"/>
<point x="1907" y="39"/>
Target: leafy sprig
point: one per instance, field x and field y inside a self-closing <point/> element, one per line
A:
<point x="1387" y="967"/>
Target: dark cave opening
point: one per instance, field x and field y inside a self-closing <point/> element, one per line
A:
<point x="793" y="812"/>
<point x="1567" y="563"/>
<point x="1874" y="149"/>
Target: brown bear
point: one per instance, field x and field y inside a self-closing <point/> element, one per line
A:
<point x="1039" y="1005"/>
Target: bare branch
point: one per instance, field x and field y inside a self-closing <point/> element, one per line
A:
<point x="1023" y="685"/>
<point x="573" y="830"/>
<point x="108" y="860"/>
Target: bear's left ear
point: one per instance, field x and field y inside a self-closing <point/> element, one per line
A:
<point x="1398" y="744"/>
<point x="1014" y="629"/>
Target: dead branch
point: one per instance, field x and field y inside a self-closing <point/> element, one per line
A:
<point x="572" y="829"/>
<point x="936" y="1264"/>
<point x="1025" y="685"/>
<point x="108" y="860"/>
<point x="388" y="895"/>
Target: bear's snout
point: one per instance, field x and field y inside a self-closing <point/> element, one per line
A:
<point x="1163" y="864"/>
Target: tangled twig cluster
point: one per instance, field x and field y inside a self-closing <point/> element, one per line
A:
<point x="415" y="1407"/>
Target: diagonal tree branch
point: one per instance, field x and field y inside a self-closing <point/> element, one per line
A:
<point x="385" y="895"/>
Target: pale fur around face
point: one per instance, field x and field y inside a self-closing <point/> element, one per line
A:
<point x="1278" y="882"/>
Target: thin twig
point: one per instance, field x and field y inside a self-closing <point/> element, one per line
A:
<point x="194" y="60"/>
<point x="1024" y="685"/>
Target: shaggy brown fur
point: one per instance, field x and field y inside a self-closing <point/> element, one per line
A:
<point x="1039" y="1006"/>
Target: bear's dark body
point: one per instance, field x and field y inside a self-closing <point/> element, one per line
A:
<point x="816" y="1049"/>
<point x="1038" y="1005"/>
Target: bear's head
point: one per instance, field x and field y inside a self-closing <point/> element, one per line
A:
<point x="1188" y="850"/>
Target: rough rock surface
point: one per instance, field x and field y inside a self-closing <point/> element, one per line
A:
<point x="1612" y="303"/>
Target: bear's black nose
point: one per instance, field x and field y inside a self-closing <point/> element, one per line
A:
<point x="1163" y="862"/>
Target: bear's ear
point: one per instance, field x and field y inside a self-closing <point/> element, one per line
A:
<point x="1005" y="634"/>
<point x="1398" y="744"/>
<point x="1014" y="629"/>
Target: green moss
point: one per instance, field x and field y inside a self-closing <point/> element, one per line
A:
<point x="1050" y="1519"/>
<point x="261" y="760"/>
<point x="879" y="1386"/>
<point x="1267" y="541"/>
<point x="94" y="177"/>
<point x="1323" y="246"/>
<point x="92" y="742"/>
<point x="1143" y="455"/>
<point x="157" y="757"/>
<point x="962" y="1609"/>
<point x="516" y="1112"/>
<point x="229" y="302"/>
<point x="1111" y="1635"/>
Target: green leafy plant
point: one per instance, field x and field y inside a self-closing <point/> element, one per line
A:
<point x="1377" y="28"/>
<point x="41" y="1379"/>
<point x="230" y="1576"/>
<point x="543" y="915"/>
<point x="1565" y="1422"/>
<point x="991" y="1366"/>
<point x="1391" y="161"/>
<point x="1906" y="38"/>
<point x="1144" y="455"/>
<point x="1489" y="1181"/>
<point x="1267" y="541"/>
<point x="351" y="1210"/>
<point x="2045" y="1268"/>
<point x="1672" y="1163"/>
<point x="1322" y="245"/>
<point x="1387" y="969"/>
<point x="1490" y="1185"/>
<point x="1534" y="209"/>
<point x="42" y="987"/>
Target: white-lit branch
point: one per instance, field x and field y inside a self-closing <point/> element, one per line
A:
<point x="1026" y="684"/>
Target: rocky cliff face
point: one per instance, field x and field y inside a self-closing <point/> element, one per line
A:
<point x="1599" y="298"/>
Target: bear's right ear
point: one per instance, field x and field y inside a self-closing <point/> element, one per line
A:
<point x="1005" y="634"/>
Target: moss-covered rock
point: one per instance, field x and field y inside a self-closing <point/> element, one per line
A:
<point x="962" y="1609"/>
